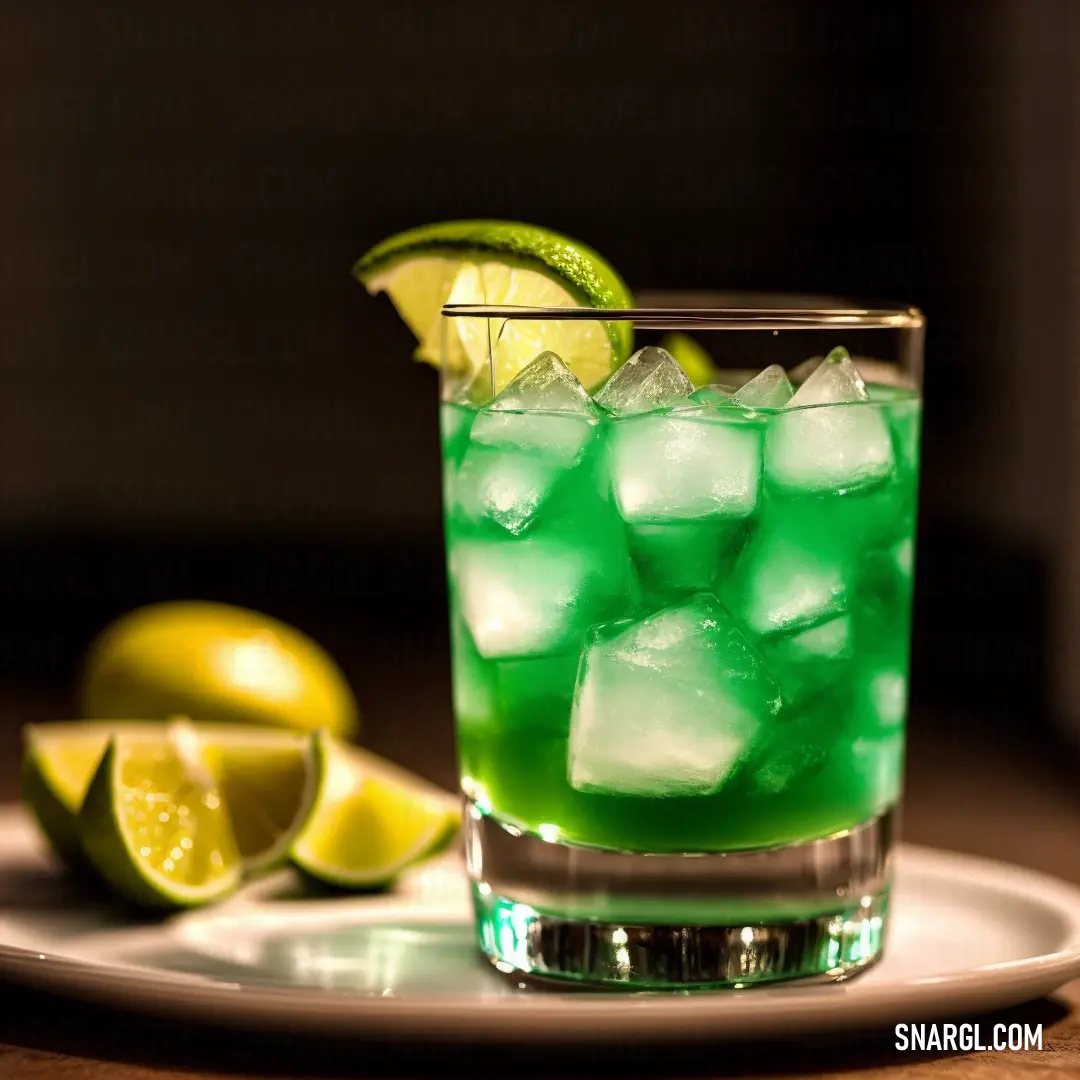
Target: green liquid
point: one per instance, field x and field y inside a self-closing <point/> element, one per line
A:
<point x="815" y="581"/>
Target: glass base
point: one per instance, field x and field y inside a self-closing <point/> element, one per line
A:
<point x="614" y="919"/>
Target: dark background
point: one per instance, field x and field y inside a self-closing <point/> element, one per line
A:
<point x="198" y="401"/>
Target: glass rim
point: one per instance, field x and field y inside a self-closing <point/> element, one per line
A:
<point x="793" y="317"/>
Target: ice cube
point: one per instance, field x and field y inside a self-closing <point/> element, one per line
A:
<point x="884" y="694"/>
<point x="769" y="390"/>
<point x="879" y="764"/>
<point x="546" y="384"/>
<point x="786" y="763"/>
<point x="828" y="438"/>
<point x="558" y="438"/>
<point x="713" y="394"/>
<point x="835" y="379"/>
<point x="808" y="732"/>
<point x="544" y="410"/>
<point x="889" y="692"/>
<point x="650" y="379"/>
<point x="535" y="596"/>
<point x="793" y="575"/>
<point x="504" y="486"/>
<point x="828" y="641"/>
<point x="684" y="467"/>
<point x="522" y="443"/>
<point x="473" y="690"/>
<point x="807" y="662"/>
<point x="903" y="557"/>
<point x="668" y="705"/>
<point x="790" y="751"/>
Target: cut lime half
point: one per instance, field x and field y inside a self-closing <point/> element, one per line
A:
<point x="500" y="263"/>
<point x="371" y="819"/>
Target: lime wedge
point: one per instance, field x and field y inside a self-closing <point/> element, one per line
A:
<point x="500" y="263"/>
<point x="371" y="819"/>
<point x="154" y="823"/>
<point x="268" y="782"/>
<point x="692" y="358"/>
<point x="57" y="765"/>
<point x="264" y="776"/>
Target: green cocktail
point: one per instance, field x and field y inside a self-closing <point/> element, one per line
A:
<point x="680" y="631"/>
<point x="789" y="607"/>
<point x="680" y="613"/>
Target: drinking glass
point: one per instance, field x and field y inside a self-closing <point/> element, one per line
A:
<point x="680" y="623"/>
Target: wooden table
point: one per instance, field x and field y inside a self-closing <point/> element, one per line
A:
<point x="967" y="793"/>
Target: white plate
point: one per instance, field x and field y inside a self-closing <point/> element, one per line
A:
<point x="967" y="935"/>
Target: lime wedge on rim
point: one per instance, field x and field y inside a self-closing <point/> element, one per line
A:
<point x="500" y="263"/>
<point x="371" y="819"/>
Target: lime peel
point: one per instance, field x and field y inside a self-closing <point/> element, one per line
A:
<point x="587" y="274"/>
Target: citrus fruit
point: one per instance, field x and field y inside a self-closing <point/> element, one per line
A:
<point x="500" y="263"/>
<point x="264" y="776"/>
<point x="371" y="819"/>
<point x="154" y="824"/>
<point x="214" y="662"/>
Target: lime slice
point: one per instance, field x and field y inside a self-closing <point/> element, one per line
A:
<point x="214" y="662"/>
<point x="58" y="763"/>
<point x="265" y="778"/>
<point x="500" y="263"/>
<point x="371" y="819"/>
<point x="154" y="823"/>
<point x="692" y="358"/>
<point x="268" y="782"/>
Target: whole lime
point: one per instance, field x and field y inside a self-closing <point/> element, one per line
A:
<point x="214" y="662"/>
